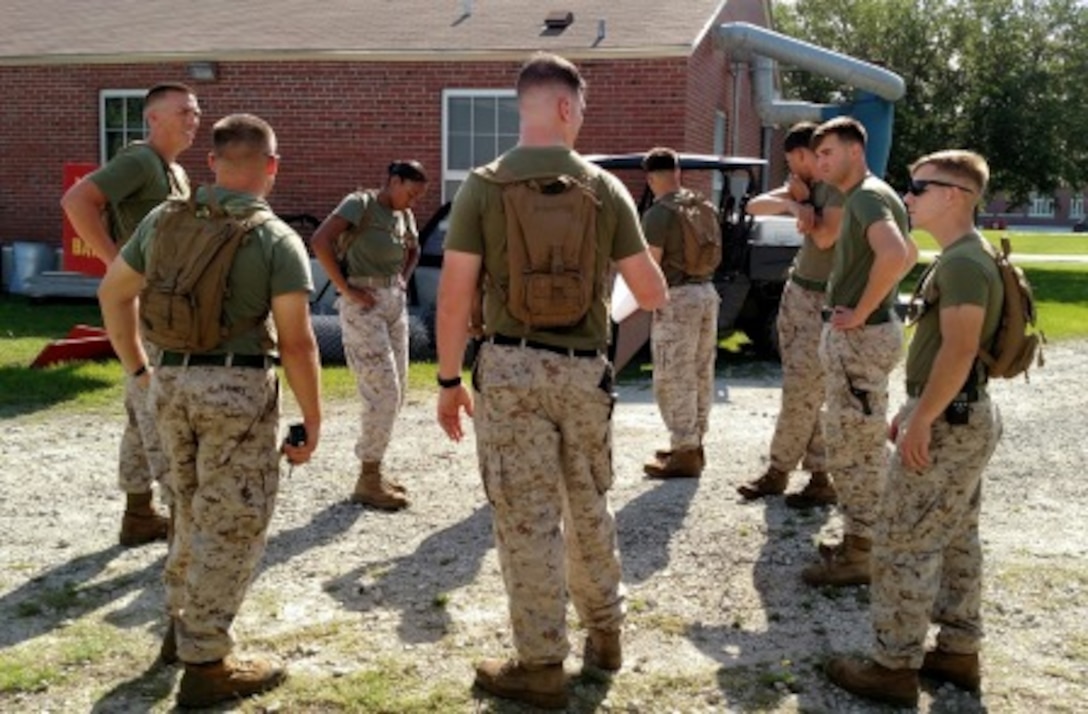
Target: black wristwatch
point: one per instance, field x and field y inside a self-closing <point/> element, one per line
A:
<point x="449" y="383"/>
<point x="140" y="371"/>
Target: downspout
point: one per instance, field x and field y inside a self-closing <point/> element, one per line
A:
<point x="872" y="105"/>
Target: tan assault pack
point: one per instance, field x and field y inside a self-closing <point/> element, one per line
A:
<point x="188" y="265"/>
<point x="1017" y="343"/>
<point x="551" y="246"/>
<point x="702" y="233"/>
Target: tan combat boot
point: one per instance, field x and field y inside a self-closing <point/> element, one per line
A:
<point x="142" y="523"/>
<point x="961" y="670"/>
<point x="543" y="686"/>
<point x="875" y="681"/>
<point x="846" y="565"/>
<point x="603" y="650"/>
<point x="372" y="490"/>
<point x="682" y="463"/>
<point x="227" y="679"/>
<point x="771" y="483"/>
<point x="819" y="491"/>
<point x="662" y="455"/>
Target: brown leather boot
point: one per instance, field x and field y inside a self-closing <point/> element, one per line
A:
<point x="230" y="678"/>
<point x="961" y="670"/>
<point x="875" y="681"/>
<point x="141" y="523"/>
<point x="682" y="463"/>
<point x="662" y="455"/>
<point x="372" y="490"/>
<point x="543" y="686"/>
<point x="603" y="650"/>
<point x="168" y="652"/>
<point x="819" y="491"/>
<point x="847" y="565"/>
<point x="771" y="483"/>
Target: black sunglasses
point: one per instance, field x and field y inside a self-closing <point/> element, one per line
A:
<point x="917" y="187"/>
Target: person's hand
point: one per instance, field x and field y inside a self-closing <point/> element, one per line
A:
<point x="799" y="190"/>
<point x="363" y="297"/>
<point x="301" y="453"/>
<point x="893" y="428"/>
<point x="450" y="403"/>
<point x="402" y="282"/>
<point x="845" y="318"/>
<point x="914" y="443"/>
<point x="806" y="219"/>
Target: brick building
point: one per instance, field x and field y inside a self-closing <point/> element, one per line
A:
<point x="349" y="86"/>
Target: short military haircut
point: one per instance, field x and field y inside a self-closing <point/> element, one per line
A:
<point x="660" y="158"/>
<point x="161" y="90"/>
<point x="960" y="164"/>
<point x="544" y="69"/>
<point x="408" y="171"/>
<point x="847" y="129"/>
<point x="243" y="136"/>
<point x="799" y="136"/>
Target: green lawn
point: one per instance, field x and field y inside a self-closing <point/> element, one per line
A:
<point x="1024" y="243"/>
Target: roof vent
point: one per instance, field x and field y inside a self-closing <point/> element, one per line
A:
<point x="559" y="19"/>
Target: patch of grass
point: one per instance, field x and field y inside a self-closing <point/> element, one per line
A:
<point x="1023" y="243"/>
<point x="380" y="691"/>
<point x="665" y="623"/>
<point x="637" y="605"/>
<point x="23" y="673"/>
<point x="441" y="600"/>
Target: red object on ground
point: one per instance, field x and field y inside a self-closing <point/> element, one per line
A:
<point x="82" y="342"/>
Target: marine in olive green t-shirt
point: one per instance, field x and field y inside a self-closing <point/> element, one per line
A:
<point x="135" y="181"/>
<point x="663" y="229"/>
<point x="964" y="274"/>
<point x="812" y="262"/>
<point x="276" y="263"/>
<point x="380" y="250"/>
<point x="477" y="225"/>
<point x="870" y="201"/>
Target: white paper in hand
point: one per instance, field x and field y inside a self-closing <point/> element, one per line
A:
<point x="623" y="302"/>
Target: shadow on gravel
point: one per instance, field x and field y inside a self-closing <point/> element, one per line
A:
<point x="326" y="526"/>
<point x="646" y="526"/>
<point x="418" y="584"/>
<point x="139" y="694"/>
<point x="760" y="663"/>
<point x="58" y="596"/>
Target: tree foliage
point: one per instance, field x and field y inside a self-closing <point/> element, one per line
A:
<point x="1005" y="78"/>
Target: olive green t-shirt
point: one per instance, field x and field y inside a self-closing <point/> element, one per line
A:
<point x="379" y="251"/>
<point x="135" y="181"/>
<point x="271" y="261"/>
<point x="663" y="229"/>
<point x="813" y="262"/>
<point x="964" y="274"/>
<point x="870" y="201"/>
<point x="477" y="225"/>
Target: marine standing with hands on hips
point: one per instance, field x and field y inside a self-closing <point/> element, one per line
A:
<point x="544" y="403"/>
<point x="369" y="247"/>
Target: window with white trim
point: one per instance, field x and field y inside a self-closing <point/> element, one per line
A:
<point x="1076" y="206"/>
<point x="477" y="126"/>
<point x="720" y="127"/>
<point x="120" y="120"/>
<point x="1040" y="206"/>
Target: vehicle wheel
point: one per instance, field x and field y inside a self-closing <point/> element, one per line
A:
<point x="763" y="332"/>
<point x="330" y="342"/>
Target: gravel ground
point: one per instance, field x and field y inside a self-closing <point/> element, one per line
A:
<point x="719" y="619"/>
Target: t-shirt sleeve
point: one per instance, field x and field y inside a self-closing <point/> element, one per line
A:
<point x="290" y="264"/>
<point x="125" y="174"/>
<point x="869" y="208"/>
<point x="825" y="195"/>
<point x="466" y="231"/>
<point x="962" y="281"/>
<point x="352" y="207"/>
<point x="628" y="239"/>
<point x="134" y="252"/>
<point x="656" y="224"/>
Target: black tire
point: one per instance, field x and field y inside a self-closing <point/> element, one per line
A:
<point x="330" y="342"/>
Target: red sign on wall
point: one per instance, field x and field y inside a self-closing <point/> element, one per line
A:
<point x="78" y="256"/>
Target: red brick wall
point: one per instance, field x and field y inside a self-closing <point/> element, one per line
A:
<point x="340" y="123"/>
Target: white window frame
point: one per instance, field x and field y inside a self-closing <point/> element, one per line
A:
<point x="1076" y="206"/>
<point x="450" y="174"/>
<point x="106" y="95"/>
<point x="1040" y="206"/>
